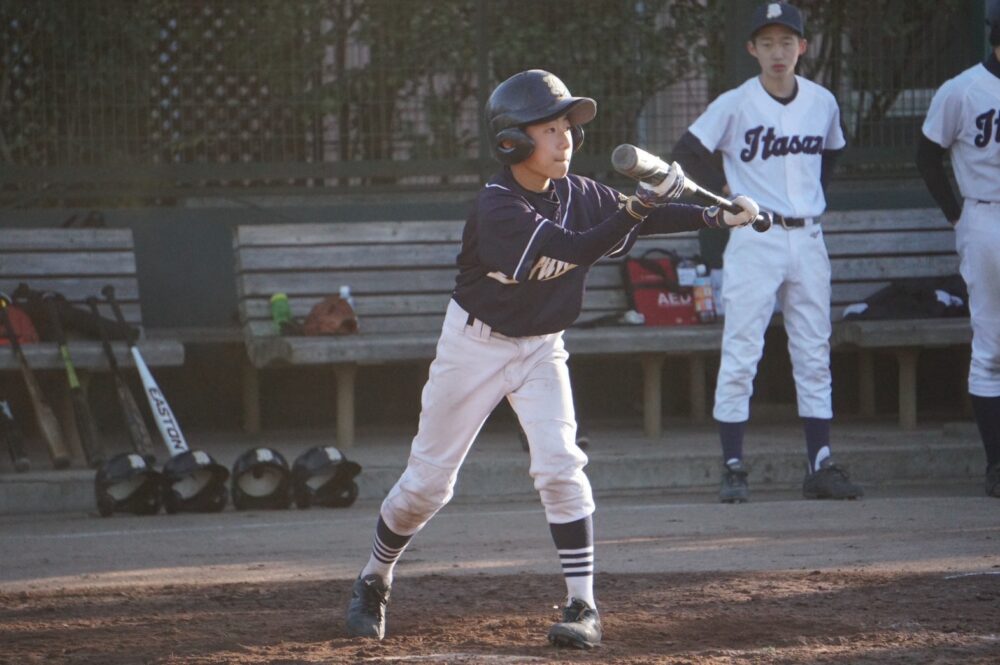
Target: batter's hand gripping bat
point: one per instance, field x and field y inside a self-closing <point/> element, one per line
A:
<point x="138" y="433"/>
<point x="85" y="426"/>
<point x="45" y="417"/>
<point x="638" y="164"/>
<point x="164" y="417"/>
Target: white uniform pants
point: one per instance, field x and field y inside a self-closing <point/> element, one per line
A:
<point x="473" y="370"/>
<point x="977" y="238"/>
<point x="792" y="266"/>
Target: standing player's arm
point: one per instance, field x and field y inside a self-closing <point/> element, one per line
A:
<point x="930" y="163"/>
<point x="703" y="166"/>
<point x="827" y="166"/>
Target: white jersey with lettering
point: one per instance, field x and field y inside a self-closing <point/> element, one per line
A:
<point x="965" y="117"/>
<point x="772" y="151"/>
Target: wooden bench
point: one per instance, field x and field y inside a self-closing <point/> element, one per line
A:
<point x="401" y="275"/>
<point x="869" y="249"/>
<point x="78" y="263"/>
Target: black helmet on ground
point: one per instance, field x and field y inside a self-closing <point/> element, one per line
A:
<point x="127" y="483"/>
<point x="322" y="476"/>
<point x="261" y="479"/>
<point x="194" y="482"/>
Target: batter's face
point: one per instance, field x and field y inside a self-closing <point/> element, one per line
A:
<point x="777" y="49"/>
<point x="550" y="158"/>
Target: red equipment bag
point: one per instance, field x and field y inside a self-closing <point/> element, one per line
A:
<point x="652" y="289"/>
<point x="24" y="329"/>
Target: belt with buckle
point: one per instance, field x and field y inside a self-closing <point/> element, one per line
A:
<point x="790" y="222"/>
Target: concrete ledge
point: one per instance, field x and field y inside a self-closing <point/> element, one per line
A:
<point x="621" y="460"/>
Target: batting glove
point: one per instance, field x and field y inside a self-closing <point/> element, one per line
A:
<point x="717" y="217"/>
<point x="671" y="187"/>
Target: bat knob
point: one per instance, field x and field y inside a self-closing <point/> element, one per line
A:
<point x="763" y="222"/>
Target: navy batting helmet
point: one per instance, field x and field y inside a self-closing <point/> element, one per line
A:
<point x="527" y="98"/>
<point x="323" y="476"/>
<point x="127" y="483"/>
<point x="194" y="482"/>
<point x="261" y="479"/>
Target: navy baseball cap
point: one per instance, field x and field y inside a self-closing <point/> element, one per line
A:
<point x="777" y="13"/>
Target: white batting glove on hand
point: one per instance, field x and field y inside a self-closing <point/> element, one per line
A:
<point x="669" y="189"/>
<point x="717" y="217"/>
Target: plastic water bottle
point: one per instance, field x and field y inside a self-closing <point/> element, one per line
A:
<point x="716" y="278"/>
<point x="345" y="294"/>
<point x="686" y="272"/>
<point x="281" y="311"/>
<point x="702" y="291"/>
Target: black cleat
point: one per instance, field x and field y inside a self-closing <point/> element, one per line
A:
<point x="366" y="611"/>
<point x="993" y="480"/>
<point x="580" y="627"/>
<point x="830" y="482"/>
<point x="734" y="483"/>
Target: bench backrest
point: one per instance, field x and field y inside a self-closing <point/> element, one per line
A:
<point x="401" y="274"/>
<point x="74" y="262"/>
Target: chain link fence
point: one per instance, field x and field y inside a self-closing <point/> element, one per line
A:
<point x="169" y="98"/>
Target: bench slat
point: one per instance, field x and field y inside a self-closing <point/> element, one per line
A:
<point x="351" y="232"/>
<point x="883" y="244"/>
<point x="27" y="265"/>
<point x="89" y="355"/>
<point x="348" y="256"/>
<point x="65" y="240"/>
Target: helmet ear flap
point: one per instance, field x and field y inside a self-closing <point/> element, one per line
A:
<point x="576" y="132"/>
<point x="520" y="148"/>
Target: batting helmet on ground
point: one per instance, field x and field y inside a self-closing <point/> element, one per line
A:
<point x="261" y="479"/>
<point x="527" y="98"/>
<point x="194" y="482"/>
<point x="323" y="476"/>
<point x="127" y="483"/>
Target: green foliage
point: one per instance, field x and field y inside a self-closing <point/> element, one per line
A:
<point x="113" y="82"/>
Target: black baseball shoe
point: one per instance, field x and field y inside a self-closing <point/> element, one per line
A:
<point x="993" y="480"/>
<point x="830" y="482"/>
<point x="366" y="611"/>
<point x="735" y="488"/>
<point x="580" y="627"/>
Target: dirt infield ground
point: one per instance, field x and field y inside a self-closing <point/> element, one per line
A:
<point x="908" y="576"/>
<point x="704" y="619"/>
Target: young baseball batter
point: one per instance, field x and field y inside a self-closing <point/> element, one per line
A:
<point x="778" y="134"/>
<point x="964" y="118"/>
<point x="532" y="236"/>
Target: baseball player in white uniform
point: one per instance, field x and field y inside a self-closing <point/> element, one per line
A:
<point x="778" y="134"/>
<point x="964" y="119"/>
<point x="527" y="246"/>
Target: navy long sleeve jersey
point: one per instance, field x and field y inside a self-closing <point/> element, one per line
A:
<point x="525" y="255"/>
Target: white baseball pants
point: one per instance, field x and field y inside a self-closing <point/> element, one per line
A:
<point x="792" y="266"/>
<point x="473" y="370"/>
<point x="977" y="239"/>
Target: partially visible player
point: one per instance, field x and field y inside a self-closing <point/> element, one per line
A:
<point x="527" y="246"/>
<point x="779" y="135"/>
<point x="964" y="119"/>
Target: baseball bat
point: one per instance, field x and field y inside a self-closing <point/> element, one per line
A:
<point x="12" y="434"/>
<point x="162" y="414"/>
<point x="85" y="425"/>
<point x="638" y="164"/>
<point x="45" y="417"/>
<point x="138" y="433"/>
